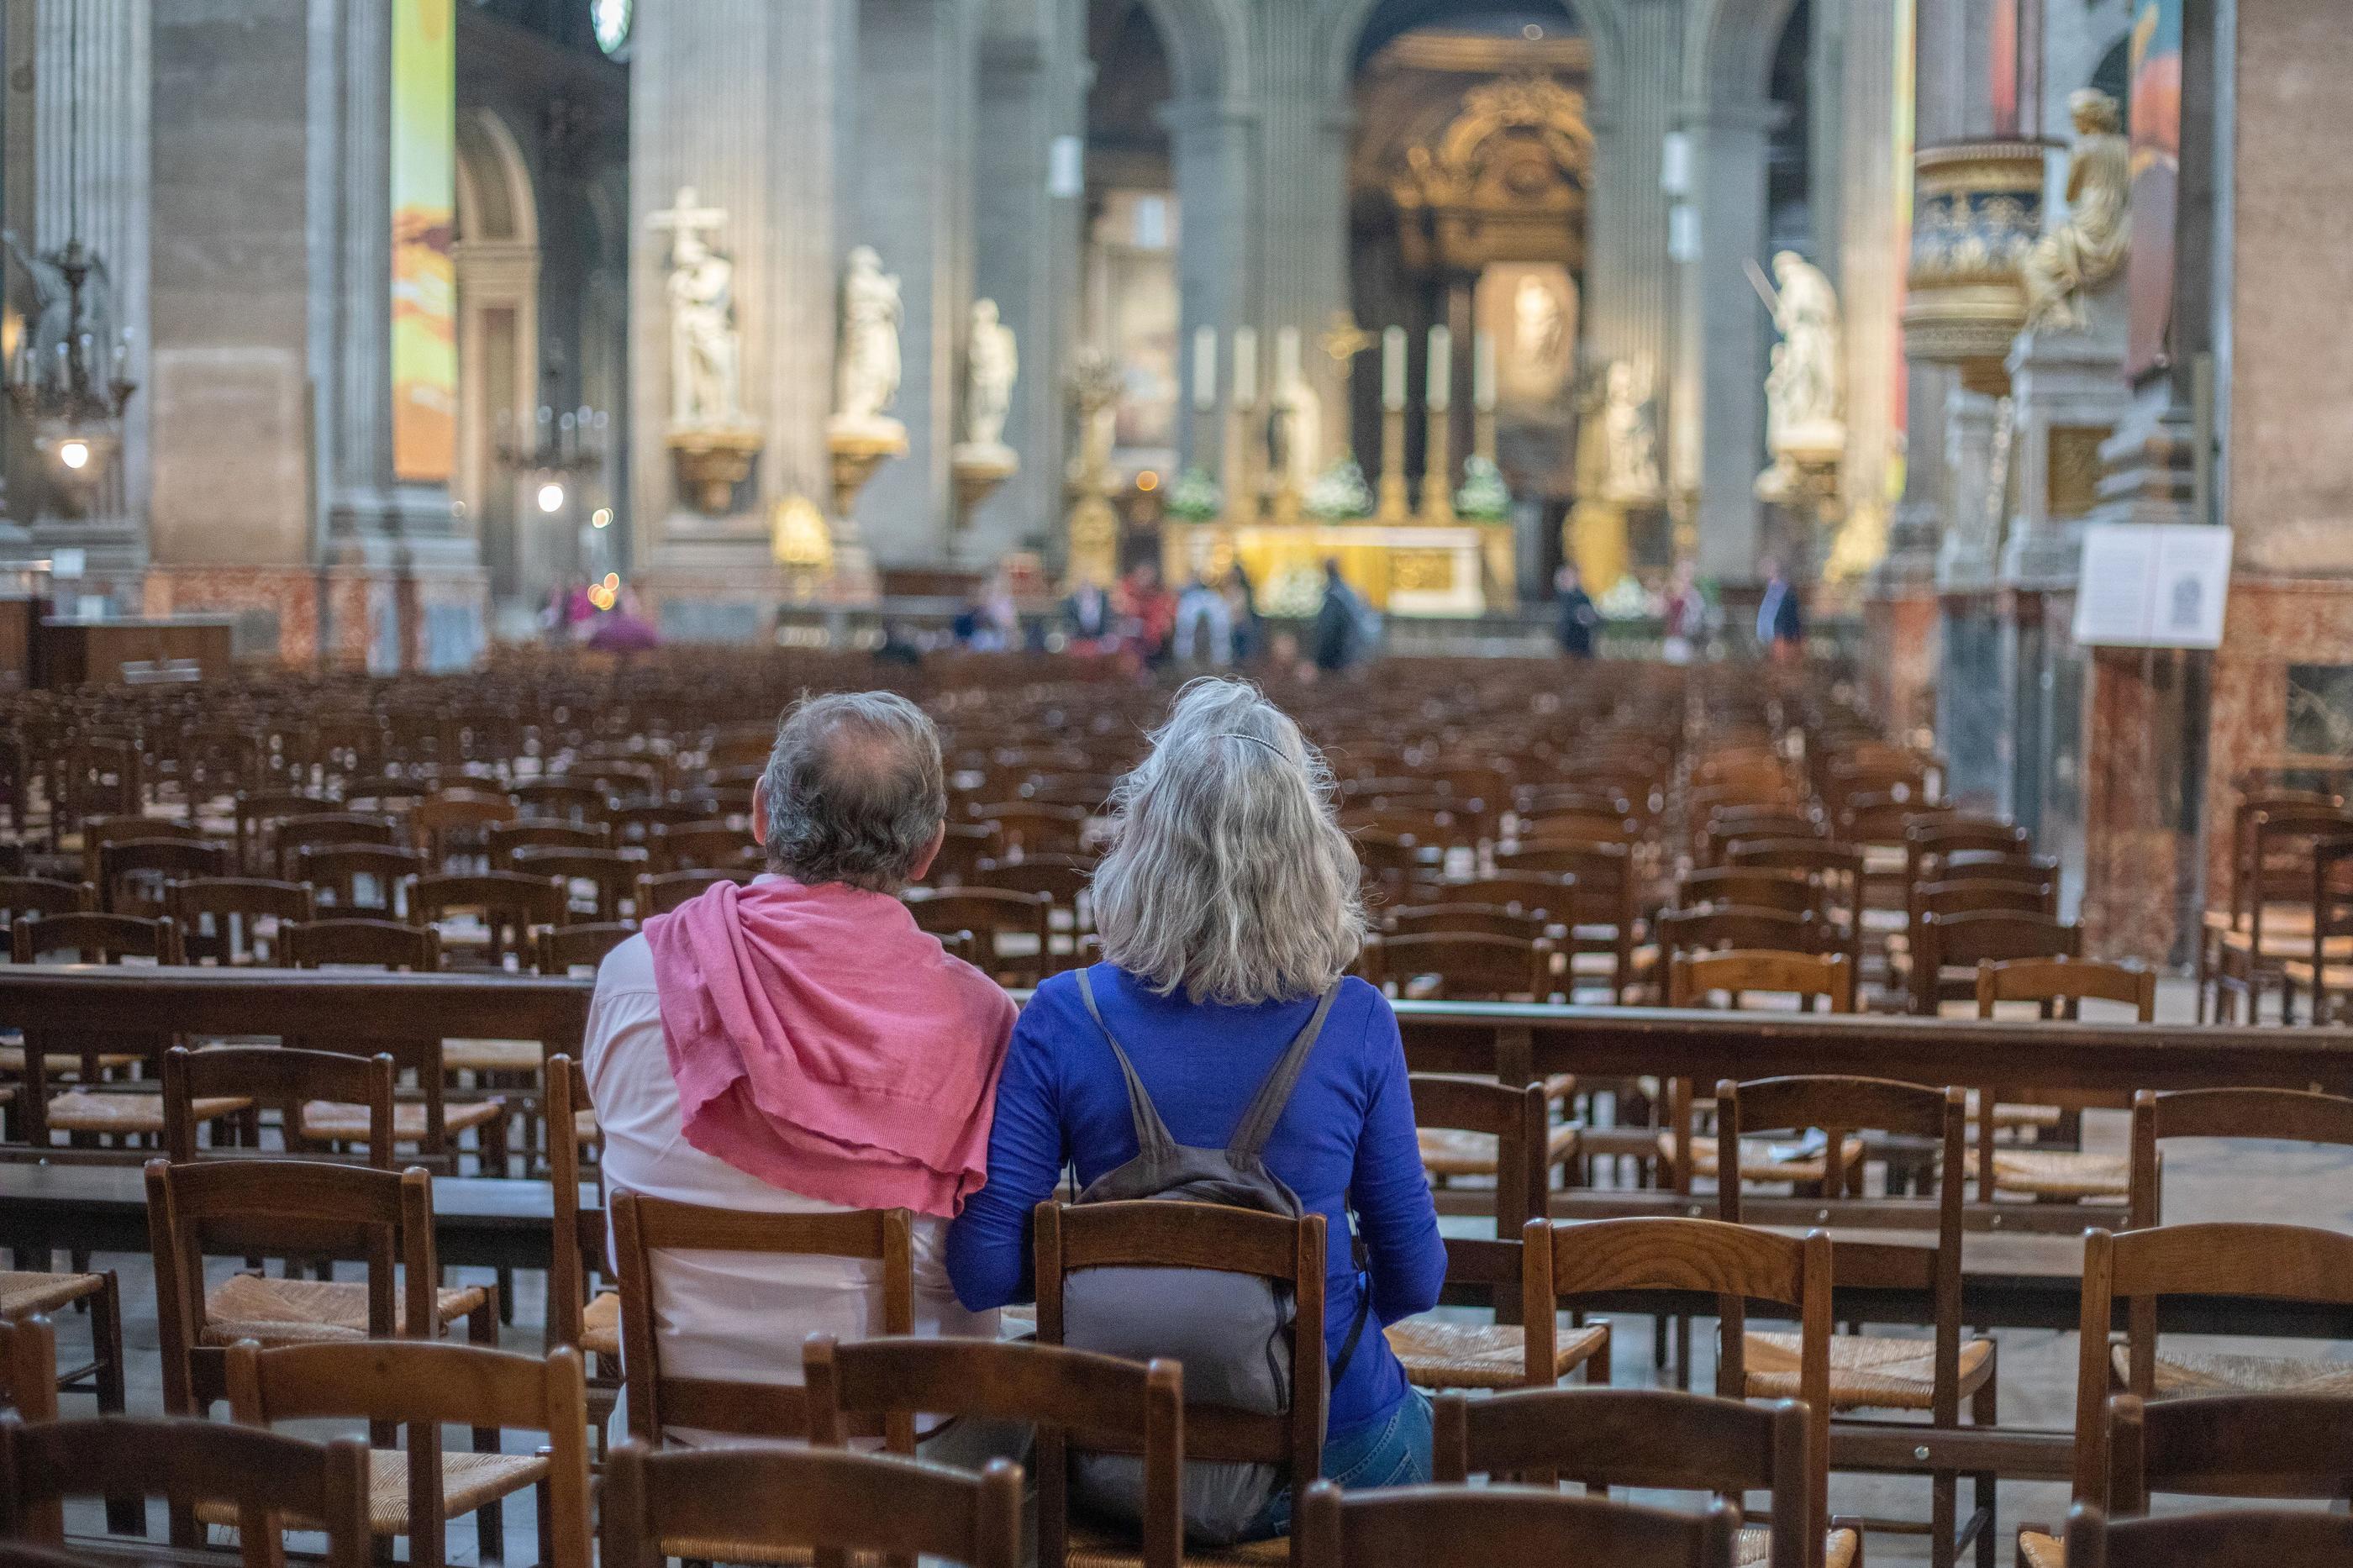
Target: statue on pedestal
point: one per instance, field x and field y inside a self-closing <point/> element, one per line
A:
<point x="991" y="362"/>
<point x="1804" y="394"/>
<point x="866" y="378"/>
<point x="705" y="362"/>
<point x="1629" y="438"/>
<point x="2079" y="256"/>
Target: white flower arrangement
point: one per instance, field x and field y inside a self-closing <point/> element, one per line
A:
<point x="1483" y="498"/>
<point x="1339" y="494"/>
<point x="1627" y="600"/>
<point x="1195" y="497"/>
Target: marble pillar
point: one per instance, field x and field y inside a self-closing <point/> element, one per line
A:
<point x="1026" y="248"/>
<point x="1211" y="143"/>
<point x="1726" y="314"/>
<point x="1630" y="293"/>
<point x="1301" y="207"/>
<point x="1871" y="255"/>
<point x="912" y="201"/>
<point x="742" y="100"/>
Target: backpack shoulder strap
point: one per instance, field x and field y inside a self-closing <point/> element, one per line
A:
<point x="1257" y="1124"/>
<point x="1152" y="1135"/>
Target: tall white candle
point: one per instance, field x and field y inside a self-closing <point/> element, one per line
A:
<point x="1393" y="368"/>
<point x="1245" y="367"/>
<point x="1205" y="368"/>
<point x="1286" y="358"/>
<point x="1441" y="370"/>
<point x="1483" y="372"/>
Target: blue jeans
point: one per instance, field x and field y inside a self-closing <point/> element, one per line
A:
<point x="1393" y="1451"/>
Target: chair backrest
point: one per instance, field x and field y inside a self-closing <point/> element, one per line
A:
<point x="278" y="1208"/>
<point x="1710" y="929"/>
<point x="1516" y="1118"/>
<point x="132" y="872"/>
<point x="2273" y="1262"/>
<point x="1739" y="972"/>
<point x="1529" y="894"/>
<point x="704" y="846"/>
<point x="275" y="1078"/>
<point x="1462" y="966"/>
<point x="258" y="814"/>
<point x="1749" y="887"/>
<point x="511" y="905"/>
<point x="1966" y="941"/>
<point x="29" y="1368"/>
<point x="763" y="1504"/>
<point x="2219" y="1538"/>
<point x="424" y="1384"/>
<point x="2229" y="1444"/>
<point x="579" y="1232"/>
<point x="562" y="948"/>
<point x="1166" y="1234"/>
<point x="1065" y="878"/>
<point x="95" y="937"/>
<point x="220" y="917"/>
<point x="440" y="825"/>
<point x="381" y="944"/>
<point x="613" y="873"/>
<point x="565" y="800"/>
<point x="989" y="913"/>
<point x="1976" y="894"/>
<point x="658" y="1399"/>
<point x="1733" y="1263"/>
<point x="1463" y="919"/>
<point x="1655" y="1438"/>
<point x="342" y="868"/>
<point x="661" y="892"/>
<point x="1475" y="1527"/>
<point x="1839" y="866"/>
<point x="97" y="833"/>
<point x="501" y="839"/>
<point x="322" y="1486"/>
<point x="23" y="898"/>
<point x="330" y="830"/>
<point x="2296" y="1114"/>
<point x="1068" y="1396"/>
<point x="2060" y="986"/>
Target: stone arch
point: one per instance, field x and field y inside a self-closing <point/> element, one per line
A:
<point x="1728" y="50"/>
<point x="496" y="196"/>
<point x="1349" y="19"/>
<point x="1207" y="41"/>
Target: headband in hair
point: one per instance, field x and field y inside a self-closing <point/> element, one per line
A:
<point x="1253" y="740"/>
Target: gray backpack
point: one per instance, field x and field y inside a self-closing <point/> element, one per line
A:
<point x="1229" y="1329"/>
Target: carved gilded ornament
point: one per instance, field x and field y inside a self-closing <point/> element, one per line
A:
<point x="1516" y="155"/>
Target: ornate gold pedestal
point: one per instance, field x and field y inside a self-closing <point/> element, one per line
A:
<point x="977" y="471"/>
<point x="1094" y="542"/>
<point x="1438" y="470"/>
<point x="858" y="449"/>
<point x="712" y="461"/>
<point x="1976" y="209"/>
<point x="1396" y="499"/>
<point x="1594" y="537"/>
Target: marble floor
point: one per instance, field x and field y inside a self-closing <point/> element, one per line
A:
<point x="2205" y="1180"/>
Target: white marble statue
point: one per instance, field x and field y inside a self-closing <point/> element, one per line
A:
<point x="991" y="362"/>
<point x="706" y="383"/>
<point x="866" y="378"/>
<point x="1630" y="439"/>
<point x="1537" y="322"/>
<point x="1804" y="394"/>
<point x="2079" y="256"/>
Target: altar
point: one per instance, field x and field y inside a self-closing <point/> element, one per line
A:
<point x="1401" y="568"/>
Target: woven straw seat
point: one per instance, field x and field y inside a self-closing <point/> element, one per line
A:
<point x="1094" y="1547"/>
<point x="1481" y="1355"/>
<point x="1757" y="1161"/>
<point x="2057" y="1173"/>
<point x="1452" y="1151"/>
<point x="600" y="1325"/>
<point x="2286" y="944"/>
<point x="304" y="1311"/>
<point x="62" y="1064"/>
<point x="21" y="1295"/>
<point x="2042" y="1551"/>
<point x="468" y="1481"/>
<point x="493" y="1056"/>
<point x="1751" y="1547"/>
<point x="129" y="1115"/>
<point x="696" y="1549"/>
<point x="324" y="1118"/>
<point x="1866" y="1373"/>
<point x="2041" y="1117"/>
<point x="2192" y="1373"/>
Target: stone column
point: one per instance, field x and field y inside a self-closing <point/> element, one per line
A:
<point x="917" y="71"/>
<point x="742" y="100"/>
<point x="1216" y="175"/>
<point x="89" y="78"/>
<point x="1870" y="253"/>
<point x="1724" y="313"/>
<point x="1629" y="292"/>
<point x="1302" y="217"/>
<point x="1027" y="250"/>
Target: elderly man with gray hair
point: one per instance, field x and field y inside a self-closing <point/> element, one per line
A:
<point x="798" y="1045"/>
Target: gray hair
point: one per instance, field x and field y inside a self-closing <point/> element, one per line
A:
<point x="1228" y="875"/>
<point x="854" y="791"/>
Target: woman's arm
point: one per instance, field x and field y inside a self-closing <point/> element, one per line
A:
<point x="990" y="1261"/>
<point x="1390" y="1194"/>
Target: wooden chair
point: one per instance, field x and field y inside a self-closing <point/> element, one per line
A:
<point x="272" y="1481"/>
<point x="1951" y="946"/>
<point x="994" y="915"/>
<point x="2324" y="971"/>
<point x="360" y="943"/>
<point x="97" y="833"/>
<point x="1738" y="974"/>
<point x="486" y="916"/>
<point x="662" y="1399"/>
<point x="423" y="1385"/>
<point x="1148" y="1235"/>
<point x="30" y="1377"/>
<point x="562" y="948"/>
<point x="95" y="937"/>
<point x="343" y="870"/>
<point x="612" y="874"/>
<point x="660" y="893"/>
<point x="777" y="1505"/>
<point x="1878" y="1372"/>
<point x="28" y="1367"/>
<point x="562" y="799"/>
<point x="635" y="826"/>
<point x="2272" y="880"/>
<point x="327" y="830"/>
<point x="1033" y="826"/>
<point x="704" y="846"/>
<point x="1735" y="1263"/>
<point x="31" y="897"/>
<point x="1603" y="909"/>
<point x="1457" y="966"/>
<point x="245" y="1208"/>
<point x="2234" y="1538"/>
<point x="1656" y="1439"/>
<point x="2056" y="988"/>
<point x="589" y="1323"/>
<point x="232" y="920"/>
<point x="501" y="839"/>
<point x="1476" y="1527"/>
<point x="1066" y="1396"/>
<point x="133" y="873"/>
<point x="258" y="815"/>
<point x="963" y="846"/>
<point x="123" y="1113"/>
<point x="1686" y="932"/>
<point x="280" y="1078"/>
<point x="1465" y="919"/>
<point x="451" y="826"/>
<point x="1476" y="1127"/>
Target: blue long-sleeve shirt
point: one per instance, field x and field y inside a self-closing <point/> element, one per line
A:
<point x="1347" y="1138"/>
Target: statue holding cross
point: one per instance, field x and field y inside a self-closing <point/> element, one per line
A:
<point x="706" y="377"/>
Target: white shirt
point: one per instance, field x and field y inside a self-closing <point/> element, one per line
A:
<point x="735" y="1315"/>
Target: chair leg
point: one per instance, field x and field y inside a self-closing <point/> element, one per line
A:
<point x="1984" y="1411"/>
<point x="124" y="1515"/>
<point x="1942" y="1523"/>
<point x="490" y="1520"/>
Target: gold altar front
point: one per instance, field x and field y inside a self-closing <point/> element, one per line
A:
<point x="1404" y="569"/>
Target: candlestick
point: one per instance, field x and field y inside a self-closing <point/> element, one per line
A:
<point x="1483" y="372"/>
<point x="1245" y="367"/>
<point x="1393" y="368"/>
<point x="1396" y="504"/>
<point x="1205" y="368"/>
<point x="1286" y="359"/>
<point x="1441" y="370"/>
<point x="1438" y="468"/>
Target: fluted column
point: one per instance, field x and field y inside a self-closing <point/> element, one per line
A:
<point x="1631" y="291"/>
<point x="742" y="100"/>
<point x="1302" y="208"/>
<point x="1732" y="140"/>
<point x="1211" y="146"/>
<point x="917" y="71"/>
<point x="1871" y="254"/>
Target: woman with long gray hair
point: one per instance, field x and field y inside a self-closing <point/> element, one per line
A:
<point x="1229" y="914"/>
